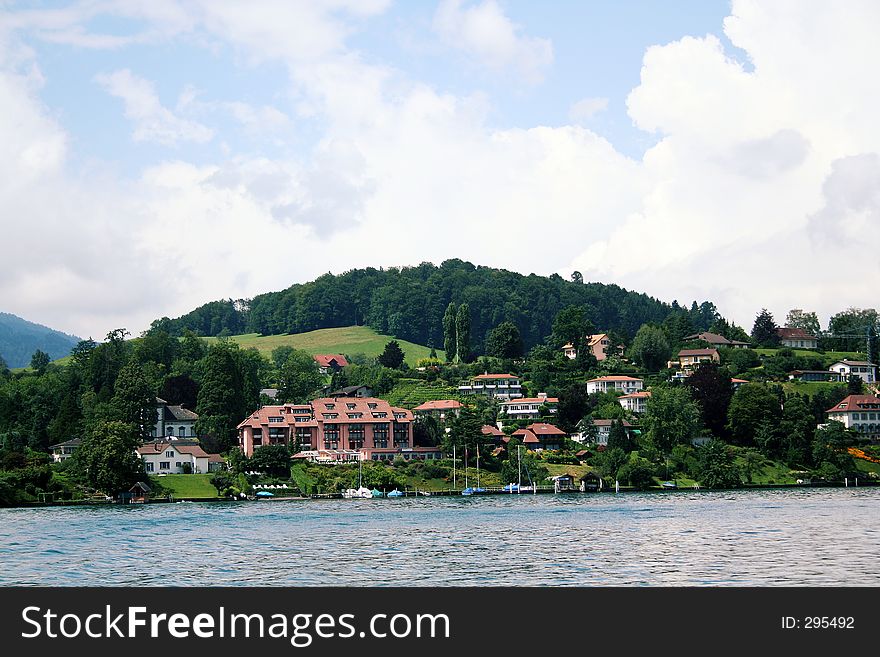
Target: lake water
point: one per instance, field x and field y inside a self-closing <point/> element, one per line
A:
<point x="749" y="538"/>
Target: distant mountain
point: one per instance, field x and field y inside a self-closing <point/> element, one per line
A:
<point x="19" y="339"/>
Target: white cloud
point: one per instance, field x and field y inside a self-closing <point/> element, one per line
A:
<point x="485" y="33"/>
<point x="586" y="108"/>
<point x="152" y="121"/>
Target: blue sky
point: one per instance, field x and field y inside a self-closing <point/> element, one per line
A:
<point x="168" y="153"/>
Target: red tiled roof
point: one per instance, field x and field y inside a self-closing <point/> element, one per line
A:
<point x="496" y="376"/>
<point x="544" y="429"/>
<point x="855" y="403"/>
<point x="739" y="381"/>
<point x="527" y="436"/>
<point x="794" y="334"/>
<point x="438" y="405"/>
<point x="324" y="360"/>
<point x="342" y="407"/>
<point x="614" y="378"/>
<point x="532" y="400"/>
<point x="636" y="395"/>
<point x="489" y="430"/>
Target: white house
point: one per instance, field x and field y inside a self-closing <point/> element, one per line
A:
<point x="796" y="338"/>
<point x="174" y="421"/>
<point x="858" y="412"/>
<point x="173" y="458"/>
<point x="502" y="386"/>
<point x="526" y="408"/>
<point x="603" y="430"/>
<point x="635" y="402"/>
<point x="867" y="372"/>
<point x="63" y="451"/>
<point x="625" y="384"/>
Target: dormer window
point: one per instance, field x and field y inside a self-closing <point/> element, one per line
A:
<point x="331" y="406"/>
<point x="350" y="407"/>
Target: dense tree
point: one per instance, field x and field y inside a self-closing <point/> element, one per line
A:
<point x="650" y="348"/>
<point x="577" y="277"/>
<point x="571" y="326"/>
<point x="764" y="330"/>
<point x="671" y="418"/>
<point x="40" y="361"/>
<point x="806" y="321"/>
<point x="712" y="389"/>
<point x="392" y="357"/>
<point x="716" y="466"/>
<point x="848" y="330"/>
<point x="449" y="341"/>
<point x="796" y="430"/>
<point x="752" y="405"/>
<point x="272" y="459"/>
<point x="574" y="405"/>
<point x="504" y="341"/>
<point x="619" y="436"/>
<point x="463" y="333"/>
<point x="610" y="462"/>
<point x="298" y="377"/>
<point x="107" y="458"/>
<point x="854" y="385"/>
<point x="135" y="399"/>
<point x="739" y="361"/>
<point x="728" y="329"/>
<point x="637" y="474"/>
<point x="466" y="431"/>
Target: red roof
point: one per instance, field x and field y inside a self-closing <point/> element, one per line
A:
<point x="326" y="360"/>
<point x="794" y="334"/>
<point x="698" y="352"/>
<point x="496" y="376"/>
<point x="636" y="395"/>
<point x="345" y="409"/>
<point x="614" y="378"/>
<point x="438" y="405"/>
<point x="527" y="436"/>
<point x="544" y="429"/>
<point x="856" y="403"/>
<point x="532" y="400"/>
<point x="489" y="430"/>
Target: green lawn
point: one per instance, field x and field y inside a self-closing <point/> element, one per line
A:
<point x="828" y="358"/>
<point x="349" y="340"/>
<point x="189" y="486"/>
<point x="808" y="388"/>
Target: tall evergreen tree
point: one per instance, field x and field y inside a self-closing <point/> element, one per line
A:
<point x="449" y="340"/>
<point x="504" y="341"/>
<point x="463" y="333"/>
<point x="135" y="399"/>
<point x="392" y="357"/>
<point x="40" y="361"/>
<point x="764" y="330"/>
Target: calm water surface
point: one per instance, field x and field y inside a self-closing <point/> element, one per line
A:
<point x="746" y="538"/>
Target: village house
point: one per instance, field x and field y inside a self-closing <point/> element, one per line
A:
<point x="174" y="458"/>
<point x="602" y="431"/>
<point x="625" y="384"/>
<point x="502" y="386"/>
<point x="814" y="375"/>
<point x="173" y="421"/>
<point x="528" y="408"/>
<point x="797" y="338"/>
<point x="866" y="371"/>
<point x="63" y="451"/>
<point x="599" y="345"/>
<point x="690" y="359"/>
<point x="335" y="429"/>
<point x="715" y="341"/>
<point x="497" y="435"/>
<point x="440" y="408"/>
<point x="329" y="363"/>
<point x="353" y="391"/>
<point x="858" y="412"/>
<point x="540" y="436"/>
<point x="635" y="402"/>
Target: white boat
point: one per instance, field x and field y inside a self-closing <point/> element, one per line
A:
<point x="361" y="492"/>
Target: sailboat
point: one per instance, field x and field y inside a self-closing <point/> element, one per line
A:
<point x="468" y="490"/>
<point x="361" y="492"/>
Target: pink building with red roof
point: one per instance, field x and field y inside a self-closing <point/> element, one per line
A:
<point x="335" y="429"/>
<point x="439" y="408"/>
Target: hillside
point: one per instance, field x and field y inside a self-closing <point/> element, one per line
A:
<point x="19" y="339"/>
<point x="409" y="303"/>
<point x="349" y="340"/>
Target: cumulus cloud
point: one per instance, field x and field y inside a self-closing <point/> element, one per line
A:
<point x="484" y="32"/>
<point x="152" y="120"/>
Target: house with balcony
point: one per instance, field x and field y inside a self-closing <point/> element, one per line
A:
<point x="624" y="384"/>
<point x="63" y="451"/>
<point x="329" y="363"/>
<point x="335" y="429"/>
<point x="528" y="408"/>
<point x="174" y="421"/>
<point x="866" y="371"/>
<point x="502" y="386"/>
<point x="796" y="338"/>
<point x="635" y="402"/>
<point x="690" y="359"/>
<point x="858" y="412"/>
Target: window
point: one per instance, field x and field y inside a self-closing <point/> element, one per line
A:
<point x="355" y="416"/>
<point x="178" y="464"/>
<point x="330" y="406"/>
<point x="350" y="407"/>
<point x="169" y="431"/>
<point x="149" y="466"/>
<point x="331" y="436"/>
<point x="331" y="416"/>
<point x="170" y="454"/>
<point x="164" y="465"/>
<point x="181" y="432"/>
<point x="276" y="419"/>
<point x="380" y="435"/>
<point x="372" y="405"/>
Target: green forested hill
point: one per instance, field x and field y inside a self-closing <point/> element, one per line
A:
<point x="409" y="303"/>
<point x="19" y="339"/>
